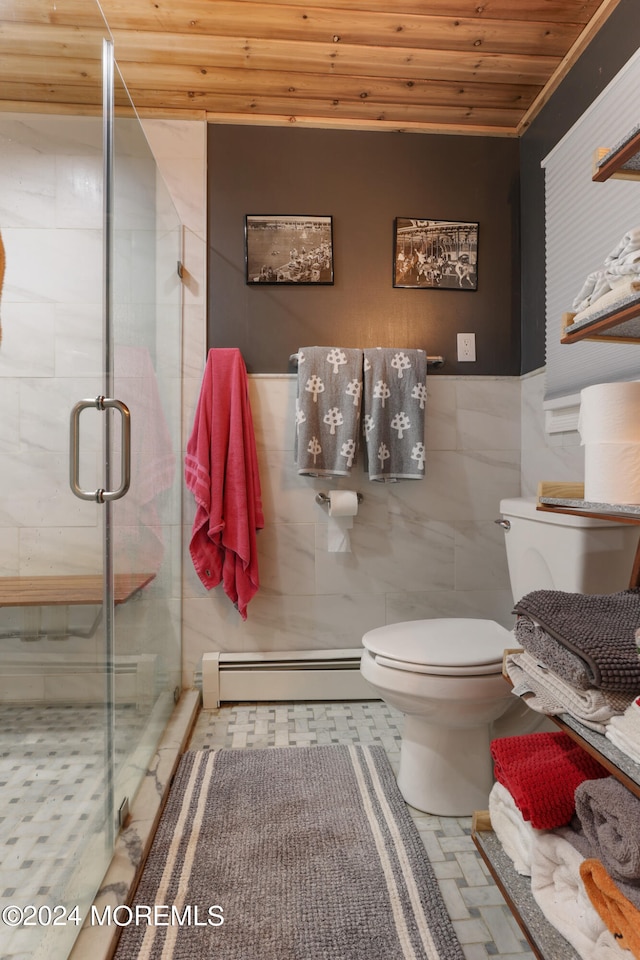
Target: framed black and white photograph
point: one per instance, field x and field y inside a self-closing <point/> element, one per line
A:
<point x="431" y="254"/>
<point x="289" y="249"/>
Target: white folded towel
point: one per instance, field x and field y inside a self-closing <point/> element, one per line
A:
<point x="624" y="731"/>
<point x="548" y="693"/>
<point x="558" y="890"/>
<point x="621" y="264"/>
<point x="627" y="290"/>
<point x="515" y="834"/>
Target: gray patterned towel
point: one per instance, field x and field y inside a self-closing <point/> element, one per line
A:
<point x="395" y="395"/>
<point x="598" y="628"/>
<point x="328" y="410"/>
<point x="610" y="818"/>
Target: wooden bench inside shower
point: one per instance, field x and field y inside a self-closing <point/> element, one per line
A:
<point x="68" y="590"/>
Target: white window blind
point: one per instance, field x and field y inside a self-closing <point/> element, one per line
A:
<point x="584" y="222"/>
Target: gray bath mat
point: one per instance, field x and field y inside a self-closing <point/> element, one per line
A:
<point x="305" y="853"/>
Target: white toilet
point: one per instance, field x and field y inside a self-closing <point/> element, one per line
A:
<point x="445" y="675"/>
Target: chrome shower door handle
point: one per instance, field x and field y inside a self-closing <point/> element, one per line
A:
<point x="99" y="495"/>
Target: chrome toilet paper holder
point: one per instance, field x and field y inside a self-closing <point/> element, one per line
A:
<point x="324" y="498"/>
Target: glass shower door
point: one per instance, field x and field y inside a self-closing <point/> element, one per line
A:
<point x="90" y="585"/>
<point x="146" y="363"/>
<point x="56" y="811"/>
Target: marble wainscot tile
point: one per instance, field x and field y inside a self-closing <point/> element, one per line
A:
<point x="464" y="486"/>
<point x="488" y="414"/>
<point x="440" y="418"/>
<point x="400" y="554"/>
<point x="481" y="558"/>
<point x="286" y="556"/>
<point x="475" y="604"/>
<point x="277" y="623"/>
<point x="287" y="497"/>
<point x="96" y="942"/>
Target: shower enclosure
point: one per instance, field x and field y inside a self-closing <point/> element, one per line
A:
<point x="90" y="392"/>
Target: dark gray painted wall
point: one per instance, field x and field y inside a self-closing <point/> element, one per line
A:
<point x="364" y="180"/>
<point x="615" y="43"/>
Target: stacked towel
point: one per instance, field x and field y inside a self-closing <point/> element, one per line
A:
<point x="559" y="892"/>
<point x="328" y="410"/>
<point x="621" y="264"/>
<point x="221" y="470"/>
<point x="599" y="629"/>
<point x="624" y="731"/>
<point x="541" y="772"/>
<point x="610" y="818"/>
<point x="620" y="912"/>
<point x="516" y="835"/>
<point x="395" y="396"/>
<point x="624" y="293"/>
<point x="564" y="663"/>
<point x="546" y="692"/>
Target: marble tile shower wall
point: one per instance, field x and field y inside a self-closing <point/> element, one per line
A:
<point x="51" y="356"/>
<point x="419" y="548"/>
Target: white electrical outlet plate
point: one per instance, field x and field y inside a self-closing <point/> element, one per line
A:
<point x="466" y="347"/>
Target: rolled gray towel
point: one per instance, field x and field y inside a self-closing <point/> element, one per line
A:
<point x="610" y="818"/>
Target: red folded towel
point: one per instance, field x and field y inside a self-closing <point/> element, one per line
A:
<point x="541" y="772"/>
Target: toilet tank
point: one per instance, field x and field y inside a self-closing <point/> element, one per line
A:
<point x="559" y="551"/>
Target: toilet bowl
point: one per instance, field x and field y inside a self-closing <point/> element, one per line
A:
<point x="445" y="675"/>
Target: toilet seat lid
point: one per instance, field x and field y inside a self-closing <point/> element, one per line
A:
<point x="442" y="646"/>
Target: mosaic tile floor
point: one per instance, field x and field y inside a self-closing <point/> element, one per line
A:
<point x="483" y="922"/>
<point x="52" y="791"/>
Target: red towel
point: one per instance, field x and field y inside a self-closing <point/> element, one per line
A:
<point x="221" y="470"/>
<point x="541" y="772"/>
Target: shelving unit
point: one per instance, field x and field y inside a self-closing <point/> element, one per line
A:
<point x="621" y="323"/>
<point x="545" y="941"/>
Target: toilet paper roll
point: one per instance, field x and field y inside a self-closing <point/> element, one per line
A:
<point x="343" y="503"/>
<point x="610" y="413"/>
<point x="343" y="507"/>
<point x="612" y="472"/>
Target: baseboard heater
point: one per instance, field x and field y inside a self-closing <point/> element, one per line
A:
<point x="283" y="675"/>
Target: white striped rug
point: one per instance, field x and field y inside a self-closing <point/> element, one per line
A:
<point x="293" y="853"/>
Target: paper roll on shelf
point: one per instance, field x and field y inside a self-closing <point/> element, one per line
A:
<point x="612" y="473"/>
<point x="610" y="413"/>
<point x="343" y="507"/>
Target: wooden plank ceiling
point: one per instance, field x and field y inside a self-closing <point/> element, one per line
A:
<point x="455" y="66"/>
